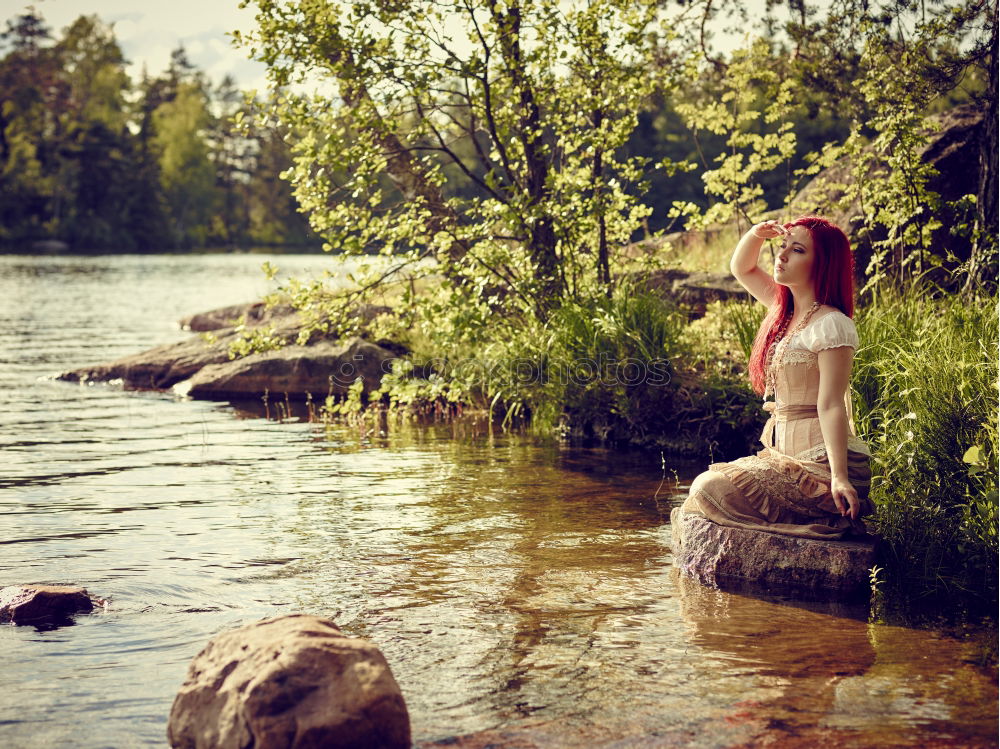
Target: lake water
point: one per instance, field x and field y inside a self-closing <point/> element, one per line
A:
<point x="516" y="587"/>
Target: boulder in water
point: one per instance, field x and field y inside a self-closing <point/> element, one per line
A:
<point x="319" y="370"/>
<point x="731" y="557"/>
<point x="291" y="682"/>
<point x="34" y="604"/>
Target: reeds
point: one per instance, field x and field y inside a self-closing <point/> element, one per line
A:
<point x="925" y="389"/>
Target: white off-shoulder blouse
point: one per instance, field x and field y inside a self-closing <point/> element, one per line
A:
<point x="831" y="330"/>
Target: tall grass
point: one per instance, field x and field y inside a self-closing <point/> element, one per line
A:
<point x="925" y="383"/>
<point x="623" y="369"/>
<point x="597" y="362"/>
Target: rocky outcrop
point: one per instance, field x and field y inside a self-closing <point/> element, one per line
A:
<point x="36" y="604"/>
<point x="158" y="368"/>
<point x="953" y="148"/>
<point x="283" y="317"/>
<point x="694" y="288"/>
<point x="727" y="557"/>
<point x="292" y="682"/>
<point x="203" y="366"/>
<point x="691" y="289"/>
<point x="322" y="369"/>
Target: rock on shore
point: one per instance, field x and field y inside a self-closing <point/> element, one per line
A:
<point x="158" y="368"/>
<point x="723" y="556"/>
<point x="203" y="367"/>
<point x="292" y="682"/>
<point x="320" y="370"/>
<point x="252" y="314"/>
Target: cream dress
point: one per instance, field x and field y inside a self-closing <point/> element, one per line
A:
<point x="785" y="488"/>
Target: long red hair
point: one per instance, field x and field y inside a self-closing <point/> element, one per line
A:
<point x="833" y="282"/>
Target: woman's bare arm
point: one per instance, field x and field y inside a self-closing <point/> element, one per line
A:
<point x="834" y="376"/>
<point x="743" y="264"/>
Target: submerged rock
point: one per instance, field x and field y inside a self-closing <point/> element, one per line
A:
<point x="723" y="556"/>
<point x="31" y="604"/>
<point x="294" y="681"/>
<point x="320" y="370"/>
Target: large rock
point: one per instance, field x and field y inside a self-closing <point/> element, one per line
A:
<point x="952" y="148"/>
<point x="295" y="681"/>
<point x="692" y="289"/>
<point x="33" y="604"/>
<point x="320" y="370"/>
<point x="283" y="317"/>
<point x="158" y="368"/>
<point x="954" y="143"/>
<point x="295" y="370"/>
<point x="162" y="367"/>
<point x="723" y="556"/>
<point x="252" y="314"/>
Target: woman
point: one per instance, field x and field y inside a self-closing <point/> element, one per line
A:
<point x="811" y="479"/>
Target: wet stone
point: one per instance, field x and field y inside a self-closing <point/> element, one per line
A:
<point x="734" y="557"/>
<point x="31" y="604"/>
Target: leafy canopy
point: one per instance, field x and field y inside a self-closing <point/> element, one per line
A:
<point x="484" y="136"/>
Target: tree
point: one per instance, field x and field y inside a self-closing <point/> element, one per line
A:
<point x="186" y="172"/>
<point x="30" y="90"/>
<point x="530" y="101"/>
<point x="95" y="188"/>
<point x="877" y="71"/>
<point x="889" y="65"/>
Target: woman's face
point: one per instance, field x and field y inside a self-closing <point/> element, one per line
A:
<point x="794" y="261"/>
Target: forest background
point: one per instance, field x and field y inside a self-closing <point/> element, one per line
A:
<point x="99" y="161"/>
<point x="521" y="168"/>
<point x="96" y="161"/>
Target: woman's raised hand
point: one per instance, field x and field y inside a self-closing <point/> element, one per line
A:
<point x="768" y="229"/>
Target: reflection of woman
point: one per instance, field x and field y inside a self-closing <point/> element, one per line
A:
<point x="811" y="479"/>
<point x="775" y="676"/>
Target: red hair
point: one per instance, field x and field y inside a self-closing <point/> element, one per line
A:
<point x="832" y="276"/>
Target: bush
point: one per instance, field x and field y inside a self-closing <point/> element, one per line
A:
<point x="625" y="369"/>
<point x="925" y="380"/>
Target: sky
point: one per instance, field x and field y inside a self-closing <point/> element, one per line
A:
<point x="148" y="30"/>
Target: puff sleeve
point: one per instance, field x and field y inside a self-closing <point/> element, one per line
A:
<point x="831" y="331"/>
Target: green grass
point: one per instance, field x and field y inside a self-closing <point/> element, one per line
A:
<point x="925" y="384"/>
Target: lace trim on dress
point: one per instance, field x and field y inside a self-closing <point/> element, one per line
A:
<point x="832" y="344"/>
<point x="798" y="356"/>
<point x="776" y="353"/>
<point x="818" y="452"/>
<point x="813" y="454"/>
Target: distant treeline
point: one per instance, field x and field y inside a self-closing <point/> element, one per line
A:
<point x="90" y="158"/>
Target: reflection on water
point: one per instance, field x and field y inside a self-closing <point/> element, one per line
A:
<point x="513" y="585"/>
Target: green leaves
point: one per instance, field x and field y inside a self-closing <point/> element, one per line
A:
<point x="752" y="95"/>
<point x="487" y="136"/>
<point x="925" y="400"/>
